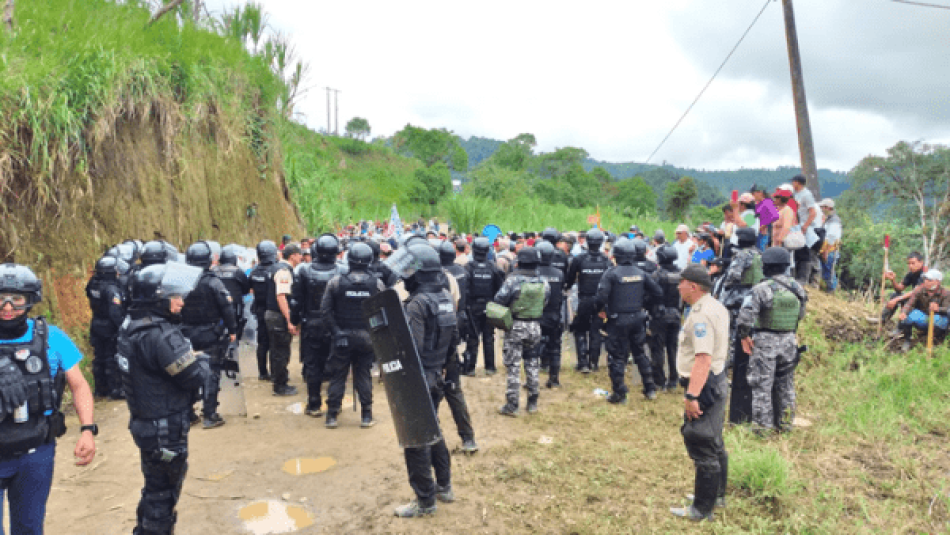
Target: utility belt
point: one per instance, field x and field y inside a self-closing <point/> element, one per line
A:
<point x="527" y="320"/>
<point x="774" y="331"/>
<point x="713" y="391"/>
<point x="162" y="439"/>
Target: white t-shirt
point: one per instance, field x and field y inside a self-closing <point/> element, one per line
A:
<point x="682" y="253"/>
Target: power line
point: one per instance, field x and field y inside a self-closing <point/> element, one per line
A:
<point x="924" y="4"/>
<point x="709" y="82"/>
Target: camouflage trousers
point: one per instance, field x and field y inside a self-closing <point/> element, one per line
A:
<point x="521" y="344"/>
<point x="771" y="377"/>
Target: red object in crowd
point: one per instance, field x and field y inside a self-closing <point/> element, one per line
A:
<point x="735" y="196"/>
<point x="530" y="242"/>
<point x="887" y="241"/>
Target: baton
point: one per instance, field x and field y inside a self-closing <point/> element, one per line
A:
<point x="930" y="336"/>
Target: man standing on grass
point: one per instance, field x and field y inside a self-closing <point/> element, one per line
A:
<point x="701" y="363"/>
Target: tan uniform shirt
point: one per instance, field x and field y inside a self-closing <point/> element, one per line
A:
<point x="706" y="330"/>
<point x="284" y="279"/>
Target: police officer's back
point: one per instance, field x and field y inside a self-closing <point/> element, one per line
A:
<point x="665" y="324"/>
<point x="586" y="270"/>
<point x="485" y="279"/>
<point x="234" y="279"/>
<point x="107" y="301"/>
<point x="260" y="278"/>
<point x="552" y="322"/>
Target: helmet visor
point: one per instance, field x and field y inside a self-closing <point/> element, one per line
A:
<point x="179" y="280"/>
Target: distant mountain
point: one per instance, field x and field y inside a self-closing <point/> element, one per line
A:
<point x="833" y="183"/>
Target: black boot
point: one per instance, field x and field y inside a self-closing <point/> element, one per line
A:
<point x="707" y="488"/>
<point x="332" y="422"/>
<point x="314" y="401"/>
<point x="723" y="479"/>
<point x="367" y="420"/>
<point x="580" y="345"/>
<point x="532" y="404"/>
<point x="553" y="378"/>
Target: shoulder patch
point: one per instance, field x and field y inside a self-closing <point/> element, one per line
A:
<point x="699" y="330"/>
<point x="117" y="300"/>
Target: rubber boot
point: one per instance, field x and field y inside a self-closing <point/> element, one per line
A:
<point x="723" y="479"/>
<point x="532" y="404"/>
<point x="580" y="344"/>
<point x="706" y="490"/>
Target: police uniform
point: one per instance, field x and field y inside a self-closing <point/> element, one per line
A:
<point x="485" y="279"/>
<point x="526" y="294"/>
<point x="238" y="285"/>
<point x="771" y="314"/>
<point x="316" y="338"/>
<point x="587" y="270"/>
<point x="260" y="278"/>
<point x="454" y="396"/>
<point x="625" y="291"/>
<point x="552" y="325"/>
<point x="279" y="337"/>
<point x="706" y="331"/>
<point x="744" y="272"/>
<point x="107" y="301"/>
<point x="665" y="327"/>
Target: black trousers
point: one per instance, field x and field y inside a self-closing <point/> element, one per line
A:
<point x="626" y="333"/>
<point x="455" y="398"/>
<point x="315" y="347"/>
<point x="487" y="333"/>
<point x="263" y="342"/>
<point x="280" y="340"/>
<point x="103" y="340"/>
<point x="205" y="338"/>
<point x="664" y="342"/>
<point x="587" y="337"/>
<point x="704" y="444"/>
<point x="164" y="463"/>
<point x="740" y="401"/>
<point x="551" y="350"/>
<point x="802" y="265"/>
<point x="338" y="367"/>
<point x="420" y="462"/>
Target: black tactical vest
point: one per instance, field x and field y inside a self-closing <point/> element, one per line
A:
<point x="559" y="261"/>
<point x="482" y="275"/>
<point x="555" y="279"/>
<point x="260" y="278"/>
<point x="646" y="266"/>
<point x="461" y="277"/>
<point x="272" y="286"/>
<point x="315" y="279"/>
<point x="626" y="292"/>
<point x="591" y="269"/>
<point x="669" y="281"/>
<point x="354" y="288"/>
<point x="45" y="395"/>
<point x="229" y="276"/>
<point x="441" y="323"/>
<point x="201" y="307"/>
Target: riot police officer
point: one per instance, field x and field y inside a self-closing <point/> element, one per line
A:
<point x="640" y="257"/>
<point x="315" y="335"/>
<point x="526" y="294"/>
<point x="665" y="325"/>
<point x="767" y="325"/>
<point x="208" y="321"/>
<point x="107" y="302"/>
<point x="552" y="325"/>
<point x="432" y="320"/>
<point x="260" y="280"/>
<point x="626" y="291"/>
<point x="161" y="373"/>
<point x="352" y="348"/>
<point x="236" y="281"/>
<point x="586" y="270"/>
<point x="485" y="279"/>
<point x="559" y="259"/>
<point x="153" y="252"/>
<point x="37" y="361"/>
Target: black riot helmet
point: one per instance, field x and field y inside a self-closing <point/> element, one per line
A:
<point x="425" y="259"/>
<point x="747" y="237"/>
<point x="775" y="260"/>
<point x="480" y="249"/>
<point x="215" y="249"/>
<point x="595" y="238"/>
<point x="373" y="246"/>
<point x="199" y="254"/>
<point x="528" y="258"/>
<point x="624" y="251"/>
<point x="136" y="247"/>
<point x="171" y="252"/>
<point x="153" y="286"/>
<point x="639" y="250"/>
<point x="447" y="253"/>
<point x="546" y="250"/>
<point x="666" y="255"/>
<point x="124" y="251"/>
<point x="122" y="266"/>
<point x="360" y="257"/>
<point x="107" y="267"/>
<point x="550" y="235"/>
<point x="325" y="248"/>
<point x="229" y="254"/>
<point x="19" y="279"/>
<point x="153" y="252"/>
<point x="267" y="253"/>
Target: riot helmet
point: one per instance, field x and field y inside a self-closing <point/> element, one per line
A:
<point x="360" y="257"/>
<point x="171" y="252"/>
<point x="528" y="258"/>
<point x="267" y="253"/>
<point x="136" y="248"/>
<point x="199" y="254"/>
<point x="154" y="286"/>
<point x="124" y="251"/>
<point x="373" y="246"/>
<point x="447" y="253"/>
<point x="666" y="255"/>
<point x="550" y="235"/>
<point x="107" y="267"/>
<point x="480" y="249"/>
<point x="546" y="250"/>
<point x="229" y="255"/>
<point x="595" y="238"/>
<point x="153" y="252"/>
<point x="624" y="252"/>
<point x="325" y="248"/>
<point x="19" y="279"/>
<point x="122" y="266"/>
<point x="775" y="261"/>
<point x="215" y="250"/>
<point x="747" y="237"/>
<point x="639" y="250"/>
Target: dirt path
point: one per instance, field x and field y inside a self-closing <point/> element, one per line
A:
<point x="236" y="465"/>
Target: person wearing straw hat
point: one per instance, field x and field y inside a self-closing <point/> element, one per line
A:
<point x="831" y="248"/>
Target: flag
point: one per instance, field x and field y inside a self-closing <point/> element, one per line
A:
<point x="395" y="224"/>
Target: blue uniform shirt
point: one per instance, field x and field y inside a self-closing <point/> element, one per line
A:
<point x="62" y="353"/>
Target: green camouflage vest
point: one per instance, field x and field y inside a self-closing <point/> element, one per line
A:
<point x="530" y="302"/>
<point x="753" y="274"/>
<point x="782" y="316"/>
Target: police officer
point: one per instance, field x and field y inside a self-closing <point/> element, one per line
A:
<point x="767" y="323"/>
<point x="665" y="326"/>
<point x="161" y="373"/>
<point x="342" y="308"/>
<point x="640" y="257"/>
<point x="260" y="281"/>
<point x="701" y="363"/>
<point x="552" y="326"/>
<point x="625" y="292"/>
<point x="236" y="281"/>
<point x="453" y="383"/>
<point x="744" y="272"/>
<point x="107" y="302"/>
<point x="378" y="268"/>
<point x="559" y="259"/>
<point x="432" y="320"/>
<point x="315" y="334"/>
<point x="485" y="279"/>
<point x="37" y="360"/>
<point x="586" y="270"/>
<point x="153" y="252"/>
<point x="209" y="323"/>
<point x="279" y="317"/>
<point x="526" y="294"/>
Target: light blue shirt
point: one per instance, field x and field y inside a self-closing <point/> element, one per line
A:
<point x="62" y="353"/>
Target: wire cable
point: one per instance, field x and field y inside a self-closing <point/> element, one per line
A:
<point x="731" y="52"/>
<point x="924" y="4"/>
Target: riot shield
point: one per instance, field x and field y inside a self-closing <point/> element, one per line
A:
<point x="401" y="371"/>
<point x="231" y="394"/>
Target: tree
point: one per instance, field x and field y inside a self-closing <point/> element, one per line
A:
<point x="635" y="196"/>
<point x="913" y="180"/>
<point x="357" y="127"/>
<point x="434" y="183"/>
<point x="679" y="196"/>
<point x="431" y="146"/>
<point x="516" y="153"/>
<point x="558" y="163"/>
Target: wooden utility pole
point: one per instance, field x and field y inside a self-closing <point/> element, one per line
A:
<point x="805" y="145"/>
<point x="336" y="114"/>
<point x="8" y="16"/>
<point x="328" y="110"/>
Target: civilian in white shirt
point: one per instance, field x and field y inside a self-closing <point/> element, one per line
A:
<point x="831" y="249"/>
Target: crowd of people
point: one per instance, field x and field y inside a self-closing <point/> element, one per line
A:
<point x="165" y="325"/>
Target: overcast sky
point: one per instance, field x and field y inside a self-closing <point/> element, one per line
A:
<point x="613" y="77"/>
